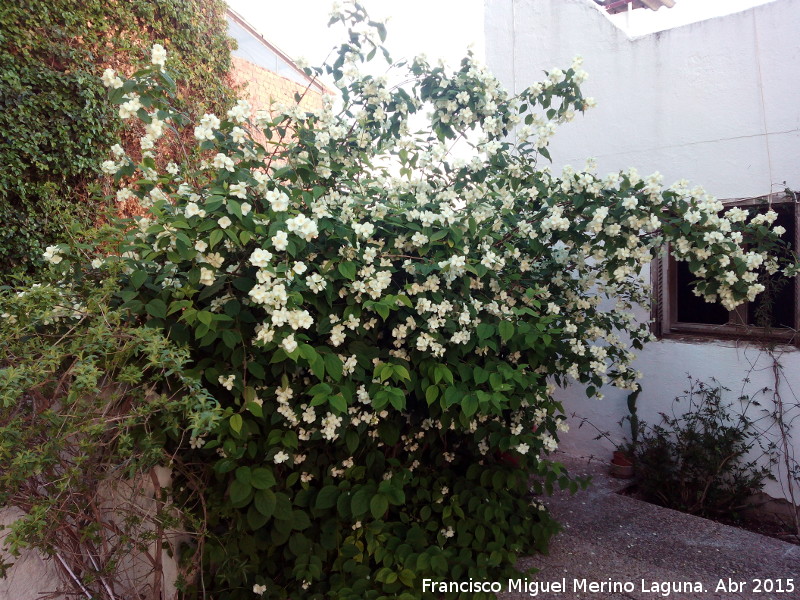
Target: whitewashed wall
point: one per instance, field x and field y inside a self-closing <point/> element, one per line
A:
<point x="715" y="102"/>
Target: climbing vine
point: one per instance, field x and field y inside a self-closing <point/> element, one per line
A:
<point x="57" y="116"/>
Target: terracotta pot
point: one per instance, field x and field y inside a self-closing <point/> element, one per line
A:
<point x="621" y="471"/>
<point x="621" y="458"/>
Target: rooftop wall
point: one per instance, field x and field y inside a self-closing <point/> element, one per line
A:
<point x="714" y="102"/>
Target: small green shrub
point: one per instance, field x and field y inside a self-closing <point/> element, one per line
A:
<point x="700" y="461"/>
<point x="90" y="406"/>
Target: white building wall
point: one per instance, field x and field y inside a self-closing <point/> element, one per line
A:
<point x="714" y="102"/>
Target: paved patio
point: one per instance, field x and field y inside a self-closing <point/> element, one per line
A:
<point x="610" y="538"/>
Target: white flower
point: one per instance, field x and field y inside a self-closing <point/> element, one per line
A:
<point x="224" y="222"/>
<point x="206" y="276"/>
<point x="227" y="382"/>
<point x="363" y="229"/>
<point x="51" y="255"/>
<point x="523" y="448"/>
<point x="223" y="162"/>
<point x="158" y="56"/>
<point x="240" y="112"/>
<point x="201" y="246"/>
<point x="110" y="79"/>
<point x="259" y="589"/>
<point x="316" y="283"/>
<point x="260" y="257"/>
<point x="419" y="239"/>
<point x="109" y="167"/>
<point x="192" y="209"/>
<point x="278" y="201"/>
<point x="238" y="135"/>
<point x="299" y="268"/>
<point x="246" y="208"/>
<point x="280" y="457"/>
<point x="289" y="344"/>
<point x="238" y="190"/>
<point x="280" y="240"/>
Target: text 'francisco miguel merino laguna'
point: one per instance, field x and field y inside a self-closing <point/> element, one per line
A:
<point x="562" y="586"/>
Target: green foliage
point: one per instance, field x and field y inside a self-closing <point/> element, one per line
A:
<point x="90" y="406"/>
<point x="56" y="115"/>
<point x="700" y="462"/>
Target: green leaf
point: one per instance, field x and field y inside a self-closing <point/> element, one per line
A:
<point x="378" y="506"/>
<point x="138" y="278"/>
<point x="300" y="520"/>
<point x="431" y="393"/>
<point x="338" y="402"/>
<point x="333" y="366"/>
<point x="239" y="492"/>
<point x="236" y="422"/>
<point x="157" y="308"/>
<point x="351" y="440"/>
<point x="327" y="497"/>
<point x="506" y="330"/>
<point x="214" y="238"/>
<point x="402" y="372"/>
<point x="469" y="405"/>
<point x="265" y="502"/>
<point x="348" y="270"/>
<point x="255" y="519"/>
<point x="360" y="502"/>
<point x="485" y="330"/>
<point x="407" y="577"/>
<point x="262" y="478"/>
<point x="230" y="338"/>
<point x="283" y="507"/>
<point x="243" y="474"/>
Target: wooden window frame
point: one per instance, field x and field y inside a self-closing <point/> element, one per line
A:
<point x="664" y="281"/>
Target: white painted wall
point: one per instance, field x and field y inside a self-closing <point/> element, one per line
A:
<point x="715" y="102"/>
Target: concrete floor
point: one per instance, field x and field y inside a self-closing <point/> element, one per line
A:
<point x="613" y="539"/>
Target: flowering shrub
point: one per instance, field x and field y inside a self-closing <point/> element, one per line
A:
<point x="384" y="323"/>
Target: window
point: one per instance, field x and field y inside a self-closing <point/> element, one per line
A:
<point x="773" y="316"/>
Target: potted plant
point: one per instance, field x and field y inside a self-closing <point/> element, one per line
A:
<point x="621" y="464"/>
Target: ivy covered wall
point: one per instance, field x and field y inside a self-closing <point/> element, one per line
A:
<point x="55" y="119"/>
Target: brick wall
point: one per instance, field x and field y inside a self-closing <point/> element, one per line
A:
<point x="261" y="87"/>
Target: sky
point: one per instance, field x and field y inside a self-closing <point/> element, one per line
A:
<point x="642" y="22"/>
<point x="439" y="28"/>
